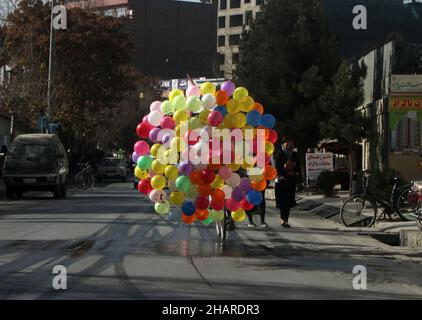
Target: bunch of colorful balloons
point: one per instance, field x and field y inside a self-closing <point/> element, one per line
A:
<point x="183" y="126"/>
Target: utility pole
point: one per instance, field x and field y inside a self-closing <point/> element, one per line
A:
<point x="50" y="66"/>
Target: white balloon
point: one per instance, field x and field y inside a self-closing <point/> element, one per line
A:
<point x="154" y="118"/>
<point x="234" y="180"/>
<point x="155" y="106"/>
<point x="209" y="101"/>
<point x="227" y="192"/>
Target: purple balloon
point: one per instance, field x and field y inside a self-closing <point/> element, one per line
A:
<point x="238" y="194"/>
<point x="228" y="87"/>
<point x="245" y="185"/>
<point x="153" y="134"/>
<point x="135" y="157"/>
<point x="185" y="168"/>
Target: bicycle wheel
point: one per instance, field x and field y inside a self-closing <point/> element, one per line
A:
<point x="358" y="211"/>
<point x="406" y="204"/>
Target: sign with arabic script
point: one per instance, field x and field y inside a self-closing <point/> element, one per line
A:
<point x="405" y="103"/>
<point x="317" y="163"/>
<point x="406" y="84"/>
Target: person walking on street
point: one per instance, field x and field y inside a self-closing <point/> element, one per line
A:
<point x="288" y="168"/>
<point x="261" y="209"/>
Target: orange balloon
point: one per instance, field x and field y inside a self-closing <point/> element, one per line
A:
<point x="270" y="173"/>
<point x="218" y="195"/>
<point x="258" y="107"/>
<point x="260" y="185"/>
<point x="222" y="98"/>
<point x="201" y="214"/>
<point x="195" y="177"/>
<point x="204" y="190"/>
<point x="188" y="219"/>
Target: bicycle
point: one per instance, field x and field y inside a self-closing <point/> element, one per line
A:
<point x="361" y="210"/>
<point x="410" y="205"/>
<point x="85" y="176"/>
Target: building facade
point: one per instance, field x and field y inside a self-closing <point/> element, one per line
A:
<point x="233" y="17"/>
<point x="172" y="38"/>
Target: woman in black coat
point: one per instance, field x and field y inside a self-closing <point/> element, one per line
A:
<point x="288" y="168"/>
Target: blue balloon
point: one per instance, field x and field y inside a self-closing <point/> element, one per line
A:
<point x="267" y="120"/>
<point x="188" y="208"/>
<point x="253" y="118"/>
<point x="221" y="109"/>
<point x="254" y="197"/>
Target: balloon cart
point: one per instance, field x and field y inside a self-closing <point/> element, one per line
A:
<point x="195" y="146"/>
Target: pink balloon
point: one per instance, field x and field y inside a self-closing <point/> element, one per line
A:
<point x="193" y="91"/>
<point x="225" y="172"/>
<point x="155" y="106"/>
<point x="141" y="148"/>
<point x="232" y="204"/>
<point x="167" y="123"/>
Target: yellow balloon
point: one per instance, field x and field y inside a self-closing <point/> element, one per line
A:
<point x="158" y="167"/>
<point x="178" y="144"/>
<point x="229" y="121"/>
<point x="171" y="156"/>
<point x="140" y="173"/>
<point x="207" y="87"/>
<point x="154" y="149"/>
<point x="176" y="198"/>
<point x="239" y="120"/>
<point x="233" y="106"/>
<point x="238" y="215"/>
<point x="240" y="93"/>
<point x="180" y="116"/>
<point x="269" y="148"/>
<point x="246" y="104"/>
<point x="203" y="116"/>
<point x="234" y="167"/>
<point x="218" y="182"/>
<point x="174" y="93"/>
<point x="248" y="162"/>
<point x="158" y="182"/>
<point x="171" y="172"/>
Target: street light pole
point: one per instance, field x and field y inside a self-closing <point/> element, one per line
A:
<point x="50" y="66"/>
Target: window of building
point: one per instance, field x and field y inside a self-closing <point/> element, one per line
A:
<point x="235" y="58"/>
<point x="221" y="41"/>
<point x="109" y="13"/>
<point x="223" y="4"/>
<point x="248" y="18"/>
<point x="221" y="57"/>
<point x="234" y="39"/>
<point x="236" y="20"/>
<point x="259" y="2"/>
<point x="247" y="1"/>
<point x="121" y="12"/>
<point x="234" y="4"/>
<point x="221" y="22"/>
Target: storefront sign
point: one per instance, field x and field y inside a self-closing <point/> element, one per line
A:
<point x="317" y="163"/>
<point x="405" y="103"/>
<point x="406" y="84"/>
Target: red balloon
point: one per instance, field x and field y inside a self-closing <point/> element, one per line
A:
<point x="145" y="120"/>
<point x="246" y="205"/>
<point x="232" y="204"/>
<point x="202" y="203"/>
<point x="143" y="130"/>
<point x="204" y="190"/>
<point x="188" y="219"/>
<point x="217" y="204"/>
<point x="218" y="195"/>
<point x="144" y="186"/>
<point x="215" y="118"/>
<point x="201" y="214"/>
<point x="207" y="176"/>
<point x="273" y="136"/>
<point x="167" y="123"/>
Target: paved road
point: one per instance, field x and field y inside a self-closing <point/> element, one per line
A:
<point x="115" y="247"/>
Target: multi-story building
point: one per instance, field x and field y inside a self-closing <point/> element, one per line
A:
<point x="233" y="17"/>
<point x="172" y="38"/>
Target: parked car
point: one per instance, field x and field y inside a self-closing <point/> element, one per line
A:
<point x="112" y="168"/>
<point x="36" y="162"/>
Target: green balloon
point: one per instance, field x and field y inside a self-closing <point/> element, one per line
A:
<point x="194" y="123"/>
<point x="167" y="107"/>
<point x="162" y="207"/>
<point x="144" y="162"/>
<point x="207" y="221"/>
<point x="183" y="183"/>
<point x="194" y="103"/>
<point x="217" y="215"/>
<point x="179" y="102"/>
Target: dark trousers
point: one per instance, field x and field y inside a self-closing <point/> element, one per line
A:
<point x="261" y="208"/>
<point x="285" y="197"/>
